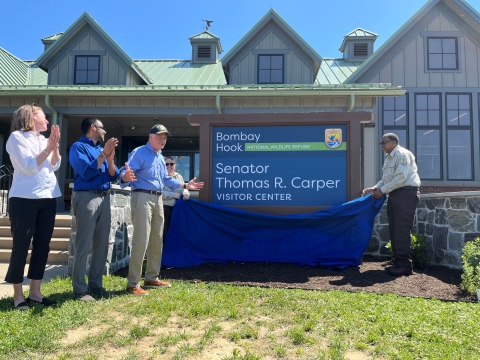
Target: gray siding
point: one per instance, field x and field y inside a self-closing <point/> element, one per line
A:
<point x="113" y="71"/>
<point x="407" y="68"/>
<point x="298" y="66"/>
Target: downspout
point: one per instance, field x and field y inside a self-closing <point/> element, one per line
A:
<point x="352" y="102"/>
<point x="217" y="104"/>
<point x="52" y="109"/>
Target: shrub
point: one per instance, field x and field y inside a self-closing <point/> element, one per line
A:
<point x="419" y="252"/>
<point x="471" y="266"/>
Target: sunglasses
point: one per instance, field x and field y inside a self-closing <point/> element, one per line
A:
<point x="33" y="105"/>
<point x="169" y="164"/>
<point x="384" y="142"/>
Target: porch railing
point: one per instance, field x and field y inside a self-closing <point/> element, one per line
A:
<point x="6" y="177"/>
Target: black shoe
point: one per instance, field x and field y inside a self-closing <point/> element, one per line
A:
<point x="45" y="302"/>
<point x="23" y="306"/>
<point x="399" y="270"/>
<point x="100" y="292"/>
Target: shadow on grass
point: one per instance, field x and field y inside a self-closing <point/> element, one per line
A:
<point x="6" y="303"/>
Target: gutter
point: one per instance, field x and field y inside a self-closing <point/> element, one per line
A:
<point x="352" y="102"/>
<point x="217" y="104"/>
<point x="52" y="109"/>
<point x="149" y="92"/>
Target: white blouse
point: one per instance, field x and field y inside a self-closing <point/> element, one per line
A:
<point x="29" y="180"/>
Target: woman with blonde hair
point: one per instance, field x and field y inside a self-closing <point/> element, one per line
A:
<point x="32" y="200"/>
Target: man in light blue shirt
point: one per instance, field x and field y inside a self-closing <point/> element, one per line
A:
<point x="148" y="174"/>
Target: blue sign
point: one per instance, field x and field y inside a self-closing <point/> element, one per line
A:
<point x="300" y="165"/>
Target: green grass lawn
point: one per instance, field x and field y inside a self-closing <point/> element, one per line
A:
<point x="217" y="321"/>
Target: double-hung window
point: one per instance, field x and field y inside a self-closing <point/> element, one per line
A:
<point x="428" y="120"/>
<point x="395" y="117"/>
<point x="459" y="136"/>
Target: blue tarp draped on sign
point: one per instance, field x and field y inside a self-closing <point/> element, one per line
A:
<point x="336" y="237"/>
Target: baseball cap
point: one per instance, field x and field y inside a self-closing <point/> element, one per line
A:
<point x="159" y="129"/>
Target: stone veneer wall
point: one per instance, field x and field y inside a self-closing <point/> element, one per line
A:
<point x="121" y="230"/>
<point x="448" y="221"/>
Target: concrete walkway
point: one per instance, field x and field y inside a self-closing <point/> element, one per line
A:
<point x="51" y="272"/>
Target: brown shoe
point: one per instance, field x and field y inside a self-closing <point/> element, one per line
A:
<point x="156" y="284"/>
<point x="399" y="271"/>
<point x="137" y="290"/>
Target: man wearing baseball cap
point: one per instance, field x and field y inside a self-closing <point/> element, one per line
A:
<point x="146" y="167"/>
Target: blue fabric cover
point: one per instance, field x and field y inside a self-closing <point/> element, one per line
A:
<point x="202" y="232"/>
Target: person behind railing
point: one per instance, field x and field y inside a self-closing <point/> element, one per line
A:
<point x="32" y="203"/>
<point x="171" y="194"/>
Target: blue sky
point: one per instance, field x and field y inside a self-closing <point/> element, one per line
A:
<point x="159" y="29"/>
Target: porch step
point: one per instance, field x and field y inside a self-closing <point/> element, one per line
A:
<point x="54" y="256"/>
<point x="58" y="245"/>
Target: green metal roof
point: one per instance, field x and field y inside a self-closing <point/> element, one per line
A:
<point x="38" y="76"/>
<point x="204" y="35"/>
<point x="52" y="37"/>
<point x="13" y="71"/>
<point x="178" y="72"/>
<point x="335" y="71"/>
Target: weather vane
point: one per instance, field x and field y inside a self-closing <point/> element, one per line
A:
<point x="208" y="22"/>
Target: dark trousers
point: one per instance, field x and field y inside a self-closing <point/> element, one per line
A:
<point x="401" y="207"/>
<point x="167" y="216"/>
<point x="30" y="218"/>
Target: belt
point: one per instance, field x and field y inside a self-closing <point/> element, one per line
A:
<point x="98" y="192"/>
<point x="414" y="188"/>
<point x="151" y="192"/>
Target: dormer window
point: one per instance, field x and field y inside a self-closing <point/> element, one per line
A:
<point x="442" y="53"/>
<point x="270" y="69"/>
<point x="87" y="70"/>
<point x="360" y="50"/>
<point x="204" y="52"/>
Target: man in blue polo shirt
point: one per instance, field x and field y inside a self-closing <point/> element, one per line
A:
<point x="148" y="166"/>
<point x="94" y="170"/>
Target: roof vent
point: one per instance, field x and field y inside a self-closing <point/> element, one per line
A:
<point x="204" y="52"/>
<point x="357" y="45"/>
<point x="360" y="50"/>
<point x="206" y="47"/>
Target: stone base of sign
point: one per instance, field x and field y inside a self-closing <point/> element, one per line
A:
<point x="448" y="220"/>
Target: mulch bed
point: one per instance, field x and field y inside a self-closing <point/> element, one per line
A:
<point x="433" y="282"/>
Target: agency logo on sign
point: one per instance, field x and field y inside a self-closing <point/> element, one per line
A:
<point x="333" y="138"/>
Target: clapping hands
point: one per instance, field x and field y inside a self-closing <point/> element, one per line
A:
<point x="53" y="139"/>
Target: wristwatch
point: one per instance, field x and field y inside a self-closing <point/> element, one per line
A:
<point x="184" y="185"/>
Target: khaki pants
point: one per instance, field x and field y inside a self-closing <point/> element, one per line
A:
<point x="147" y="219"/>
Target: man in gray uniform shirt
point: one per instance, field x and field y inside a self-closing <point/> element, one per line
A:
<point x="401" y="183"/>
